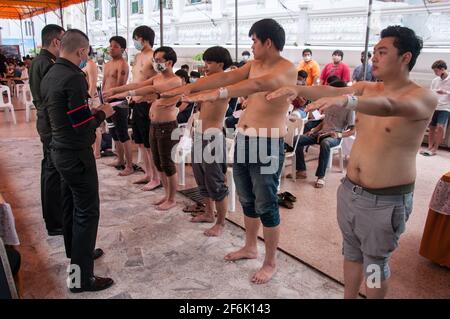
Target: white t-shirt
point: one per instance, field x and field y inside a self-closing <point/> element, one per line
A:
<point x="443" y="99"/>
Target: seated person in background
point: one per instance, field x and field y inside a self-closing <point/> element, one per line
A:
<point x="185" y="68"/>
<point x="184" y="108"/>
<point x="300" y="103"/>
<point x="194" y="76"/>
<point x="334" y="78"/>
<point x="233" y="119"/>
<point x="337" y="123"/>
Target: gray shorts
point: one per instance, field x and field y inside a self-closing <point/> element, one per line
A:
<point x="209" y="165"/>
<point x="371" y="225"/>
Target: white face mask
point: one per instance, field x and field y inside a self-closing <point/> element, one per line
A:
<point x="159" y="67"/>
<point x="307" y="58"/>
<point x="192" y="80"/>
<point x="245" y="57"/>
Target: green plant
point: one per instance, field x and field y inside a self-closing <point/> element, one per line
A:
<point x="198" y="57"/>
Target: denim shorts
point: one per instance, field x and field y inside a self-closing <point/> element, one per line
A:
<point x="440" y="118"/>
<point x="371" y="225"/>
<point x="257" y="166"/>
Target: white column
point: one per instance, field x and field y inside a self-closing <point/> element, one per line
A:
<point x="218" y="7"/>
<point x="123" y="16"/>
<point x="303" y="25"/>
<point x="178" y="6"/>
<point x="270" y="4"/>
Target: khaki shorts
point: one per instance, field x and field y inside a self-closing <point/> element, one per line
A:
<point x="371" y="225"/>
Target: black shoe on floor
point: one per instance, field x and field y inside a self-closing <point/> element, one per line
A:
<point x="55" y="232"/>
<point x="98" y="252"/>
<point x="95" y="284"/>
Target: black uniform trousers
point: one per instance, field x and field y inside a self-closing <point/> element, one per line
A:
<point x="79" y="188"/>
<point x="50" y="189"/>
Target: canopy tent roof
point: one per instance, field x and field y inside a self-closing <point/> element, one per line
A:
<point x="23" y="9"/>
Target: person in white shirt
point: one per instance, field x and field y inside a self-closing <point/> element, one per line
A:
<point x="441" y="86"/>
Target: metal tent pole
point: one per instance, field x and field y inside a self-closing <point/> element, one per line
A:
<point x="366" y="46"/>
<point x="236" y="29"/>
<point x="161" y="22"/>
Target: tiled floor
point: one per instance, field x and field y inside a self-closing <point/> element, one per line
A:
<point x="156" y="255"/>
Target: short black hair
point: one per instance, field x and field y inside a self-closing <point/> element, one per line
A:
<point x="245" y="53"/>
<point x="218" y="54"/>
<point x="169" y="54"/>
<point x="120" y="40"/>
<point x="302" y="73"/>
<point x="49" y="33"/>
<point x="439" y="64"/>
<point x="406" y="40"/>
<point x="185" y="66"/>
<point x="146" y="33"/>
<point x="74" y="39"/>
<point x="338" y="52"/>
<point x="269" y="29"/>
<point x="368" y="53"/>
<point x="195" y="74"/>
<point x="306" y="51"/>
<point x="338" y="84"/>
<point x="333" y="78"/>
<point x="183" y="74"/>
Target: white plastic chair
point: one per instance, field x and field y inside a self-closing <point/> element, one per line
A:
<point x="230" y="178"/>
<point x="337" y="150"/>
<point x="294" y="128"/>
<point x="8" y="106"/>
<point x="184" y="147"/>
<point x="27" y="100"/>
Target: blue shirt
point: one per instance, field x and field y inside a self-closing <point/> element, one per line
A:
<point x="358" y="73"/>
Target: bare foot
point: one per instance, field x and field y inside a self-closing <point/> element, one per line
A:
<point x="264" y="274"/>
<point x="152" y="185"/>
<point x="243" y="253"/>
<point x="166" y="205"/>
<point x="159" y="202"/>
<point x="215" y="231"/>
<point x="203" y="218"/>
<point x="127" y="171"/>
<point x="143" y="180"/>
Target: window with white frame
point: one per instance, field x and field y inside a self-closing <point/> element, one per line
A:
<point x="137" y="7"/>
<point x="97" y="10"/>
<point x="115" y="8"/>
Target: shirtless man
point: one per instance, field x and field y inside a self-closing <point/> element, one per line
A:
<point x="210" y="175"/>
<point x="143" y="37"/>
<point x="90" y="69"/>
<point x="263" y="126"/>
<point x="116" y="74"/>
<point x="163" y="118"/>
<point x="375" y="198"/>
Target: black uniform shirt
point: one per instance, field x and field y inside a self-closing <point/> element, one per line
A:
<point x="39" y="66"/>
<point x="64" y="93"/>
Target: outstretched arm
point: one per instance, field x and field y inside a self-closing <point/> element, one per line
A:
<point x="213" y="81"/>
<point x="314" y="92"/>
<point x="127" y="87"/>
<point x="247" y="87"/>
<point x="417" y="104"/>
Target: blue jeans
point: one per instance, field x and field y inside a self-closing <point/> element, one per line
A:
<point x="257" y="166"/>
<point x="325" y="145"/>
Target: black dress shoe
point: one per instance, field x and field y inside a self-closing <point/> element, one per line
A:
<point x="55" y="232"/>
<point x="95" y="284"/>
<point x="98" y="252"/>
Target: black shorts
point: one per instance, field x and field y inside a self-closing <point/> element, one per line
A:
<point x="119" y="131"/>
<point x="141" y="124"/>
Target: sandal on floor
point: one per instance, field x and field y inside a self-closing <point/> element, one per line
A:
<point x="427" y="153"/>
<point x="282" y="201"/>
<point x="289" y="197"/>
<point x="195" y="208"/>
<point x="320" y="183"/>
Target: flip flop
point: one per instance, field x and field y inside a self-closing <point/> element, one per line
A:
<point x="427" y="153"/>
<point x="119" y="167"/>
<point x="282" y="201"/>
<point x="137" y="168"/>
<point x="290" y="197"/>
<point x="195" y="208"/>
<point x="320" y="183"/>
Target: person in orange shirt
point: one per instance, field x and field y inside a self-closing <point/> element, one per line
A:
<point x="309" y="66"/>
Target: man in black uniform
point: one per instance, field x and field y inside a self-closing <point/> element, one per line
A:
<point x="64" y="91"/>
<point x="50" y="179"/>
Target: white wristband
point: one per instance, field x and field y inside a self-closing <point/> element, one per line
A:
<point x="223" y="93"/>
<point x="132" y="93"/>
<point x="352" y="102"/>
